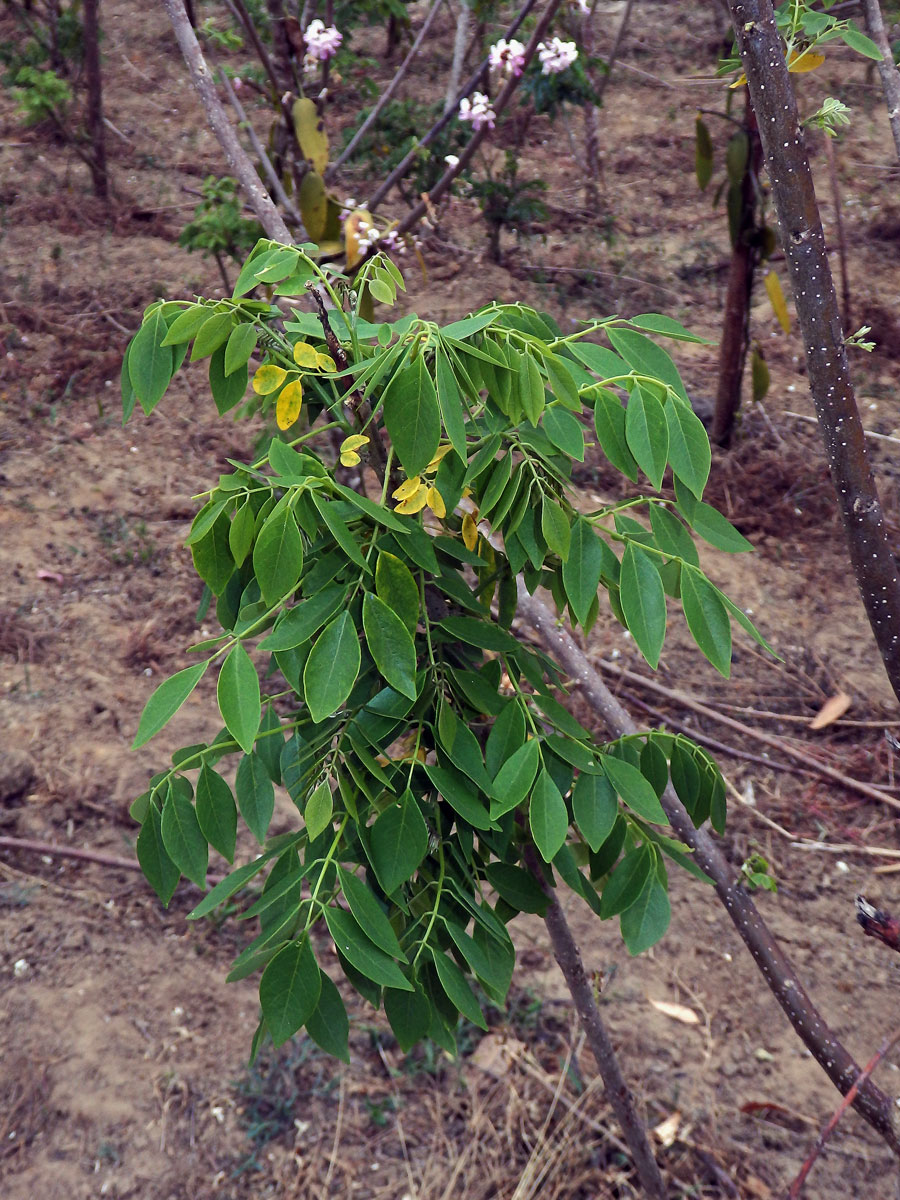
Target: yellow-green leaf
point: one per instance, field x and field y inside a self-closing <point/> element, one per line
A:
<point x="776" y="299"/>
<point x="310" y="132"/>
<point x="313" y="203"/>
<point x="287" y="409"/>
<point x="268" y="379"/>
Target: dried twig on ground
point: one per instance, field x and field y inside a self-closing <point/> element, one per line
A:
<point x="877" y="923"/>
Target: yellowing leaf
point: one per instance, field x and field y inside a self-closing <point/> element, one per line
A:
<point x="414" y="503"/>
<point x="324" y="362"/>
<point x="310" y="132"/>
<point x="305" y="355"/>
<point x="435" y="502"/>
<point x="349" y="458"/>
<point x="807" y="60"/>
<point x="287" y="410"/>
<point x="739" y="82"/>
<point x="776" y="298"/>
<point x="354" y="441"/>
<point x="407" y="488"/>
<point x="469" y="532"/>
<point x="436" y="461"/>
<point x="268" y="379"/>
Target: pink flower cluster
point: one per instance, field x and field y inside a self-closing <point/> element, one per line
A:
<point x="507" y="56"/>
<point x="322" y="40"/>
<point x="556" y="55"/>
<point x="478" y="110"/>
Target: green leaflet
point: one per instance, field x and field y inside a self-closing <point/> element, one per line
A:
<point x="369" y="914"/>
<point x="595" y="808"/>
<point x="647" y="358"/>
<point x="457" y="988"/>
<point x="555" y="527"/>
<point x="412" y="417"/>
<point x="645" y="921"/>
<point x="707" y="618"/>
<point x="643" y="602"/>
<point x="212" y="334"/>
<point x="647" y="434"/>
<point x="390" y="645"/>
<point x="166" y="701"/>
<point x="241" y="344"/>
<point x="238" y="696"/>
<point x="636" y="791"/>
<point x="183" y="838"/>
<point x="318" y="810"/>
<point x="362" y="953"/>
<point x="216" y="812"/>
<point x="409" y="1014"/>
<point x="289" y="990"/>
<point x="395" y="585"/>
<point x="547" y="817"/>
<point x="150" y="363"/>
<point x="297" y="625"/>
<point x="450" y="402"/>
<point x="398" y="841"/>
<point x="506" y="736"/>
<point x="278" y="555"/>
<point x="689" y="452"/>
<point x="609" y="422"/>
<point x="564" y="431"/>
<point x="159" y="870"/>
<point x="583" y="569"/>
<point x="709" y="522"/>
<point x="332" y="668"/>
<point x="255" y="795"/>
<point x="329" y="1026"/>
<point x="515" y="777"/>
<point x="227" y="389"/>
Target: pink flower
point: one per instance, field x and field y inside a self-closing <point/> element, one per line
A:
<point x="507" y="56"/>
<point x="556" y="55"/>
<point x="322" y="41"/>
<point x="478" y="110"/>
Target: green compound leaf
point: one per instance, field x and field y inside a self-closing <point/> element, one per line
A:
<point x="183" y="838"/>
<point x="643" y="602"/>
<point x="332" y="667"/>
<point x="161" y="873"/>
<point x="362" y="953"/>
<point x="547" y="817"/>
<point x="289" y="990"/>
<point x="390" y="645"/>
<point x="647" y="434"/>
<point x="166" y="701"/>
<point x="238" y="696"/>
<point x="412" y="417"/>
<point x="216" y="812"/>
<point x="707" y="618"/>
<point x="278" y="555"/>
<point x="398" y="841"/>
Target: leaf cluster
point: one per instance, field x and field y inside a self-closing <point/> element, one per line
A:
<point x="367" y="664"/>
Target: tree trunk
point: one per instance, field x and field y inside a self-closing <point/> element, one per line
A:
<point x="94" y="81"/>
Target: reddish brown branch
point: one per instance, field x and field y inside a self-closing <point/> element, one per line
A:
<point x="831" y="388"/>
<point x="797" y="1185"/>
<point x="877" y="923"/>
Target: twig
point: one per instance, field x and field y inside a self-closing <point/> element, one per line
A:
<point x="878" y="924"/>
<point x="238" y="159"/>
<point x="272" y="176"/>
<point x="387" y="93"/>
<point x="614" y="52"/>
<point x="870" y="433"/>
<point x="870" y="1101"/>
<point x="797" y="1186"/>
<point x="94" y="856"/>
<point x="768" y="739"/>
<point x="602" y="275"/>
<point x="238" y="9"/>
<point x="839" y="228"/>
<point x="415" y="215"/>
<point x="846" y="848"/>
<point x="472" y="82"/>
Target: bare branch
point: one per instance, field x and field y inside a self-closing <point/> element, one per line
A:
<point x="871" y="1102"/>
<point x="890" y="75"/>
<point x="238" y="159"/>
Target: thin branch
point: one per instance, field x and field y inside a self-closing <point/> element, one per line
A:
<point x="614" y="53"/>
<point x="870" y="433"/>
<point x="831" y="388"/>
<point x="878" y="924"/>
<point x="50" y="850"/>
<point x="238" y="9"/>
<point x="238" y="159"/>
<point x="890" y="75"/>
<point x="415" y="215"/>
<point x="272" y="176"/>
<point x="759" y="735"/>
<point x="618" y="1093"/>
<point x="472" y="82"/>
<point x="797" y="1186"/>
<point x="387" y="93"/>
<point x="871" y="1102"/>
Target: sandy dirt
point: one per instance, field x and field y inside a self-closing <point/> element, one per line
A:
<point x="122" y="1050"/>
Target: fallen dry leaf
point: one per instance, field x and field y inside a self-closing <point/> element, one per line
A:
<point x="496" y="1054"/>
<point x="667" y="1130"/>
<point x="833" y="708"/>
<point x="677" y="1012"/>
